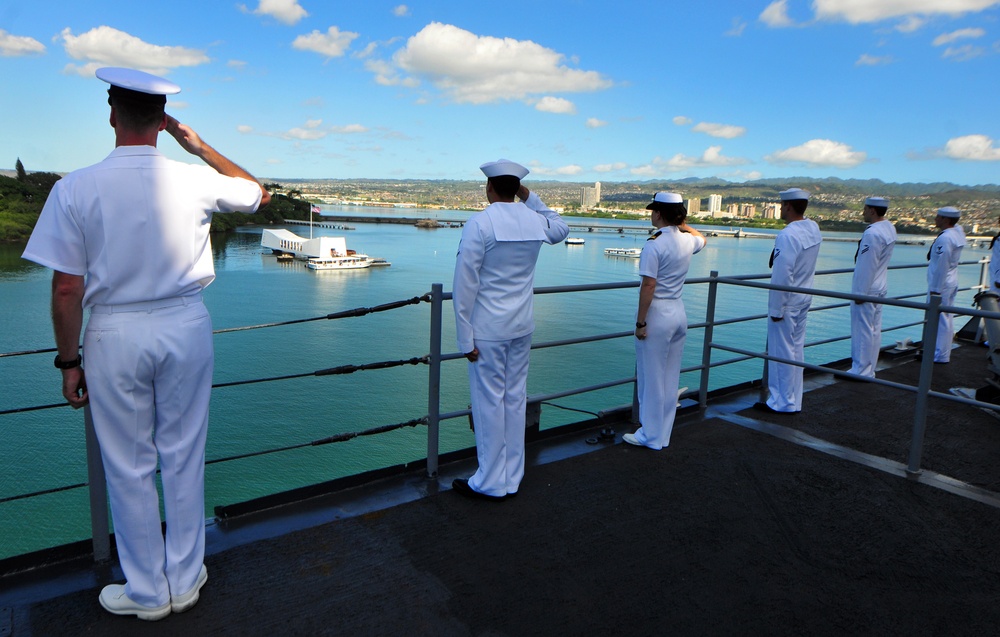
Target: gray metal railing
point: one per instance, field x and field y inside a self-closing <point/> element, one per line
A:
<point x="715" y="297"/>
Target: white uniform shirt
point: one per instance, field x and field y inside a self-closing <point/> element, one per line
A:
<point x="495" y="270"/>
<point x="137" y="225"/>
<point x="666" y="258"/>
<point x="995" y="265"/>
<point x="796" y="249"/>
<point x="942" y="271"/>
<point x="874" y="252"/>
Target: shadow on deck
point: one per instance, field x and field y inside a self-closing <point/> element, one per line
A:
<point x="747" y="524"/>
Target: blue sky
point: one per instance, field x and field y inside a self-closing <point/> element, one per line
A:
<point x="899" y="90"/>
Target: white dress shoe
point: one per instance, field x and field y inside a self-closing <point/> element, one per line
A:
<point x="181" y="603"/>
<point x="632" y="440"/>
<point x="115" y="601"/>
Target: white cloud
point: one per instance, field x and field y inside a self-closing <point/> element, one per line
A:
<point x="349" y="129"/>
<point x="367" y="51"/>
<point x="401" y="11"/>
<point x="607" y="168"/>
<point x="680" y="120"/>
<point x="725" y="131"/>
<point x="776" y="15"/>
<point x="332" y="44"/>
<point x="286" y="11"/>
<point x="860" y="11"/>
<point x="712" y="157"/>
<point x="963" y="53"/>
<point x="306" y="134"/>
<point x="387" y="75"/>
<point x="105" y="46"/>
<point x="314" y="123"/>
<point x="873" y="60"/>
<point x="738" y="27"/>
<point x="819" y="152"/>
<point x="236" y="64"/>
<point x="18" y="45"/>
<point x="549" y="104"/>
<point x="481" y="69"/>
<point x="243" y="128"/>
<point x="947" y="38"/>
<point x="593" y="122"/>
<point x="973" y="148"/>
<point x="910" y="24"/>
<point x="564" y="171"/>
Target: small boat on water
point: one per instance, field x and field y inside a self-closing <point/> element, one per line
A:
<point x="575" y="241"/>
<point x="628" y="253"/>
<point x="346" y="262"/>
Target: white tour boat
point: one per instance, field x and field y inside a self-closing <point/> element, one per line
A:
<point x="574" y="241"/>
<point x="629" y="253"/>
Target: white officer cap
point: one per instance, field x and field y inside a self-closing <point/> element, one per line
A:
<point x="877" y="202"/>
<point x="793" y="193"/>
<point x="949" y="211"/>
<point x="664" y="198"/>
<point x="502" y="167"/>
<point x="137" y="81"/>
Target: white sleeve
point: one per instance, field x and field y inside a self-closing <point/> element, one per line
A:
<point x="465" y="286"/>
<point x="785" y="255"/>
<point x="555" y="228"/>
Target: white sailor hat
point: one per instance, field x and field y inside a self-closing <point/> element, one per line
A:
<point x="664" y="198"/>
<point x="877" y="202"/>
<point x="502" y="167"/>
<point x="949" y="211"/>
<point x="134" y="84"/>
<point x="793" y="193"/>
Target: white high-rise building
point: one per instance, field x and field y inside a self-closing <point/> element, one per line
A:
<point x="714" y="205"/>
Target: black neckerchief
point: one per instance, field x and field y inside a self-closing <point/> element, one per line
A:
<point x="932" y="245"/>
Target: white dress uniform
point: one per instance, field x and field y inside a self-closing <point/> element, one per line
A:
<point x="492" y="294"/>
<point x="942" y="278"/>
<point x="136" y="226"/>
<point x="665" y="257"/>
<point x="995" y="264"/>
<point x="870" y="269"/>
<point x="793" y="263"/>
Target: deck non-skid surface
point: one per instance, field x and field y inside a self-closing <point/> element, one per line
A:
<point x="729" y="531"/>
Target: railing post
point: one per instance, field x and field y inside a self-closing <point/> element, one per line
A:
<point x="706" y="348"/>
<point x="434" y="382"/>
<point x="924" y="385"/>
<point x="99" y="530"/>
<point x="984" y="285"/>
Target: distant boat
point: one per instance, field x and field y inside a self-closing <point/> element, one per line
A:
<point x="352" y="262"/>
<point x="575" y="241"/>
<point x="628" y="253"/>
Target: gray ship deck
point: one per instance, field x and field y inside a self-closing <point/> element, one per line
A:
<point x="747" y="524"/>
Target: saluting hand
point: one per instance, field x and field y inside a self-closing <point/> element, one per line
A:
<point x="185" y="136"/>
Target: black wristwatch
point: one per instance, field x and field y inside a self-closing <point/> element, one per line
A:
<point x="61" y="364"/>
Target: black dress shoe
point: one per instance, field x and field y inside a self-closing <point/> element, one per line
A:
<point x="767" y="409"/>
<point x="461" y="487"/>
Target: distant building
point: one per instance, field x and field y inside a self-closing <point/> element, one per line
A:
<point x="748" y="210"/>
<point x="590" y="197"/>
<point x="733" y="210"/>
<point x="694" y="206"/>
<point x="772" y="210"/>
<point x="714" y="205"/>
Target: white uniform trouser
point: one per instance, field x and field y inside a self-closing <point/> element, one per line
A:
<point x="498" y="384"/>
<point x="149" y="376"/>
<point x="658" y="371"/>
<point x="786" y="339"/>
<point x="866" y="337"/>
<point x="946" y="330"/>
